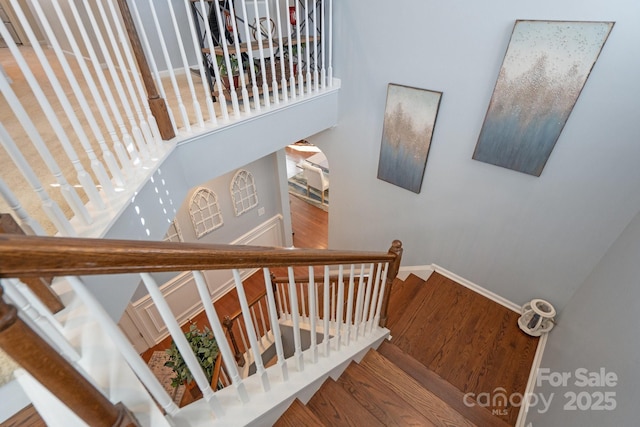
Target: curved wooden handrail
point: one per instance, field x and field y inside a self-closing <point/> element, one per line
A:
<point x="35" y="256"/>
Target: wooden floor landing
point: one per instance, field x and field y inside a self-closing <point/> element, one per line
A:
<point x="470" y="341"/>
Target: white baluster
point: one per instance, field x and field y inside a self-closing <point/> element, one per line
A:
<point x="282" y="291"/>
<point x="96" y="165"/>
<point x="243" y="337"/>
<point x="308" y="44"/>
<point x="275" y="325"/>
<point x="22" y="297"/>
<point x="252" y="71"/>
<point x="383" y="279"/>
<point x="367" y="299"/>
<point x="260" y="371"/>
<point x="374" y="296"/>
<point x="126" y="101"/>
<point x="359" y="301"/>
<point x="333" y="301"/>
<point x="156" y="75"/>
<point x="290" y="41"/>
<point x="133" y="359"/>
<point x="323" y="36"/>
<point x="222" y="25"/>
<point x="295" y="317"/>
<point x="203" y="75"/>
<point x="326" y="316"/>
<point x="28" y="224"/>
<point x="350" y="302"/>
<point x="330" y="43"/>
<point x="299" y="52"/>
<point x="313" y="315"/>
<point x="50" y="207"/>
<point x="181" y="342"/>
<point x="236" y="42"/>
<point x="218" y="333"/>
<point x="283" y="77"/>
<point x="272" y="56"/>
<point x="315" y="46"/>
<point x="138" y="97"/>
<point x="172" y="75"/>
<point x="340" y="307"/>
<point x="263" y="69"/>
<point x="83" y="177"/>
<point x="185" y="64"/>
<point x="254" y="319"/>
<point x="127" y="140"/>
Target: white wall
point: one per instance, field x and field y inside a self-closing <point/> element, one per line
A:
<point x="597" y="330"/>
<point x="515" y="234"/>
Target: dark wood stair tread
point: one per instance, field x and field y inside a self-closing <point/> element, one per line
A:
<point x="440" y="387"/>
<point x="398" y="382"/>
<point x="372" y="394"/>
<point x="298" y="415"/>
<point x="335" y="407"/>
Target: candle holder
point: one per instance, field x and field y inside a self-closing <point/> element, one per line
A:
<point x="537" y="317"/>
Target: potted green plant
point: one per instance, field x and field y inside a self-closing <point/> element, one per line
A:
<point x="205" y="348"/>
<point x="224" y="71"/>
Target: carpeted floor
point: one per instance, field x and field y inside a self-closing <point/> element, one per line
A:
<point x="298" y="188"/>
<point x="164" y="374"/>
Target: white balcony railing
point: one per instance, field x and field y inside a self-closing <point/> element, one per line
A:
<point x="76" y="123"/>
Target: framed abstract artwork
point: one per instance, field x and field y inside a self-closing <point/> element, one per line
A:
<point x="546" y="65"/>
<point x="409" y="119"/>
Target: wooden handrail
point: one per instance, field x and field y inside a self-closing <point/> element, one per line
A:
<point x="35" y="256"/>
<point x="44" y="363"/>
<point x="38" y="285"/>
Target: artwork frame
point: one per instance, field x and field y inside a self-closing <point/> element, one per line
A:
<point x="544" y="70"/>
<point x="407" y="133"/>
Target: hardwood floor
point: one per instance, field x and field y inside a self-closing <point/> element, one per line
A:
<point x="468" y="340"/>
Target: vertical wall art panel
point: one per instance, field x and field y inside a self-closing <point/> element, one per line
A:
<point x="544" y="69"/>
<point x="409" y="119"/>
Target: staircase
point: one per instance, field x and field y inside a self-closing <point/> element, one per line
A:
<point x="390" y="386"/>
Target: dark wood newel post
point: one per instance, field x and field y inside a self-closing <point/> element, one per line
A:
<point x="228" y="323"/>
<point x="392" y="272"/>
<point x="156" y="102"/>
<point x="56" y="374"/>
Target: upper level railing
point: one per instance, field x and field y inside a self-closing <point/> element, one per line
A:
<point x="351" y="311"/>
<point x="97" y="86"/>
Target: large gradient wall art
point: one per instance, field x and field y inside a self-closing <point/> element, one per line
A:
<point x="409" y="119"/>
<point x="543" y="72"/>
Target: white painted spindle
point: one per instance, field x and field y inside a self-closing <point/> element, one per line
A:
<point x="138" y="95"/>
<point x="316" y="84"/>
<point x="263" y="69"/>
<point x="50" y="207"/>
<point x="330" y="43"/>
<point x="302" y="309"/>
<point x="307" y="49"/>
<point x="272" y="56"/>
<point x="198" y="54"/>
<point x="323" y="36"/>
<point x="359" y="301"/>
<point x="374" y="296"/>
<point x="181" y="342"/>
<point x="367" y="299"/>
<point x="326" y="315"/>
<point x="133" y="359"/>
<point x="290" y="42"/>
<point x="172" y="76"/>
<point x="238" y="53"/>
<point x="275" y="324"/>
<point x="96" y="165"/>
<point x="352" y="274"/>
<point x="313" y="315"/>
<point x="383" y="279"/>
<point x="154" y="69"/>
<point x="295" y="317"/>
<point x="262" y="319"/>
<point x="185" y="65"/>
<point x="251" y="332"/>
<point x="340" y="307"/>
<point x="282" y="56"/>
<point x="299" y="43"/>
<point x="222" y="26"/>
<point x="219" y="334"/>
<point x="249" y="42"/>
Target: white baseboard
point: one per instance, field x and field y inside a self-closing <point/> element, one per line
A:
<point x="180" y="292"/>
<point x="477" y="288"/>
